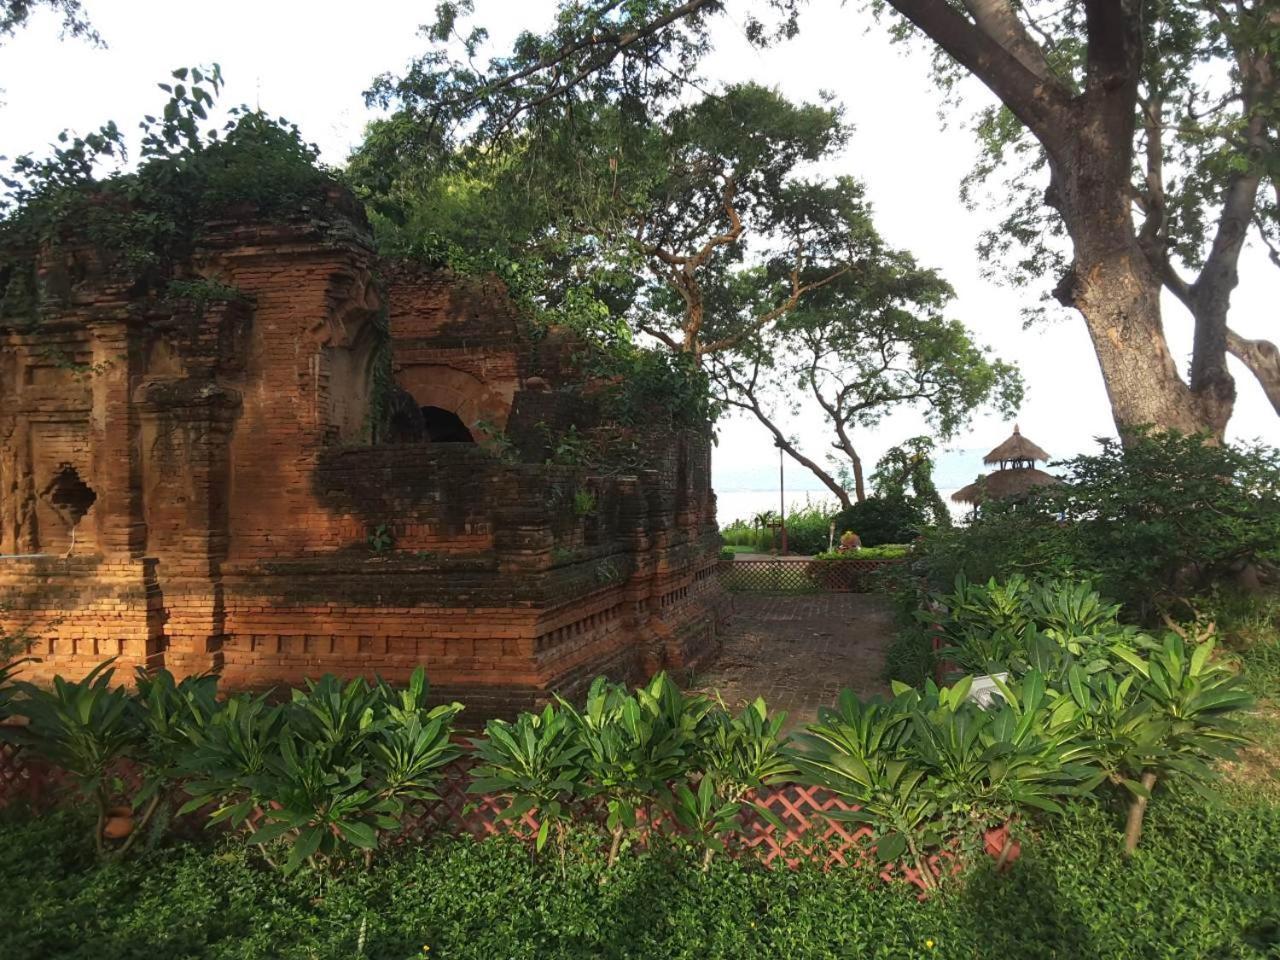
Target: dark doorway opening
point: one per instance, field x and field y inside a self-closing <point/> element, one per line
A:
<point x="71" y="495"/>
<point x="444" y="426"/>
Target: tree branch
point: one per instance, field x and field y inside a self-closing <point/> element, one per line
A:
<point x="613" y="45"/>
<point x="743" y="397"/>
<point x="1043" y="104"/>
<point x="1263" y="360"/>
<point x="798" y="290"/>
<point x="998" y="20"/>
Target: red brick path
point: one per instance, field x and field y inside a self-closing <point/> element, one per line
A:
<point x="798" y="652"/>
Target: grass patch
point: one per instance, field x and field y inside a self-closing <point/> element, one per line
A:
<point x="1205" y="883"/>
<point x="1256" y="772"/>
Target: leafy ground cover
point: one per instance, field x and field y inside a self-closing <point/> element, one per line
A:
<point x="1206" y="883"/>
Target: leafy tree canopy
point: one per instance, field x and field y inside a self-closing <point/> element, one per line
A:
<point x="1154" y="122"/>
<point x="14" y="15"/>
<point x="703" y="224"/>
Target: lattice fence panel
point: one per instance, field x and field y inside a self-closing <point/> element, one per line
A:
<point x="15" y="778"/>
<point x="802" y="575"/>
<point x="809" y="835"/>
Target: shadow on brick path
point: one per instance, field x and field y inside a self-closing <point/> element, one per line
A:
<point x="798" y="652"/>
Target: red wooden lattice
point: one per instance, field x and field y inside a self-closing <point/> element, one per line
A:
<point x="809" y="836"/>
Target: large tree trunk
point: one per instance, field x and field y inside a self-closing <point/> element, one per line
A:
<point x="1088" y="136"/>
<point x="1117" y="289"/>
<point x="1119" y="297"/>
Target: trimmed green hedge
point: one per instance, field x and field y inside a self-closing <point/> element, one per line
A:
<point x="1205" y="883"/>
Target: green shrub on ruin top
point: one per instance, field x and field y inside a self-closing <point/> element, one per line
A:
<point x="142" y="224"/>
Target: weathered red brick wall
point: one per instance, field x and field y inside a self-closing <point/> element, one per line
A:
<point x="233" y="488"/>
<point x="458" y="343"/>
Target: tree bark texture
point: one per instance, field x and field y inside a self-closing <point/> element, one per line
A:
<point x="1115" y="281"/>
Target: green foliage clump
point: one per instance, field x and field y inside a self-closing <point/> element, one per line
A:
<point x="809" y="528"/>
<point x="88" y="727"/>
<point x="1153" y="522"/>
<point x="1216" y="868"/>
<point x="635" y="745"/>
<point x="141" y="224"/>
<point x="905" y="472"/>
<point x="325" y="774"/>
<point x="333" y="771"/>
<point x="747" y="537"/>
<point x="880" y="520"/>
<point x="932" y="766"/>
<point x="886" y="551"/>
<point x="340" y="769"/>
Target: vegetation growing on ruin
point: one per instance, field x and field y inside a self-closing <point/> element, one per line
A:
<point x="133" y="227"/>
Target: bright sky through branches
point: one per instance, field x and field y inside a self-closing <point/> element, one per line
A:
<point x="310" y="62"/>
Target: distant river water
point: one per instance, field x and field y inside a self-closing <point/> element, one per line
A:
<point x="744" y="504"/>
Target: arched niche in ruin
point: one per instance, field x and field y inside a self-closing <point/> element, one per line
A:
<point x="351" y="382"/>
<point x="455" y="405"/>
<point x="445" y="426"/>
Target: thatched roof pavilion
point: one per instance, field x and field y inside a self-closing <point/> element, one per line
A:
<point x="1017" y="474"/>
<point x="1017" y="451"/>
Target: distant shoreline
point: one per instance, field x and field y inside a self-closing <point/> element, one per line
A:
<point x="744" y="504"/>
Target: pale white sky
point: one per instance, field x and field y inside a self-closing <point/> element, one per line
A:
<point x="310" y="61"/>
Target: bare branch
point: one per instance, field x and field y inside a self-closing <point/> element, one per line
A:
<point x="744" y="397"/>
<point x="1263" y="360"/>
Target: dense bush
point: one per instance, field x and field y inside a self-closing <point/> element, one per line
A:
<point x="1153" y="523"/>
<point x="318" y="778"/>
<point x="752" y="536"/>
<point x="880" y="520"/>
<point x="1207" y="884"/>
<point x="1140" y="708"/>
<point x="339" y="769"/>
<point x="808" y="530"/>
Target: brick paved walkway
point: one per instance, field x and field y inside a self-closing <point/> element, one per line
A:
<point x="798" y="652"/>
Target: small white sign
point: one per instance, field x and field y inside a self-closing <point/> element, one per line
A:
<point x="984" y="688"/>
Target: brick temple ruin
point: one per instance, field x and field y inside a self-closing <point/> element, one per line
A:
<point x="190" y="483"/>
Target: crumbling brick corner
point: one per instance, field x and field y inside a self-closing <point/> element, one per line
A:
<point x="211" y="485"/>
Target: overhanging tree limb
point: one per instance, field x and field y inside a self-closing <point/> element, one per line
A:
<point x="1040" y="102"/>
<point x="1263" y="360"/>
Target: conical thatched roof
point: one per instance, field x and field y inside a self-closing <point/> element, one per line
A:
<point x="1010" y="482"/>
<point x="1017" y="447"/>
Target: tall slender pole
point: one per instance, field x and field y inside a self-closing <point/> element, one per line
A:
<point x="782" y="499"/>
